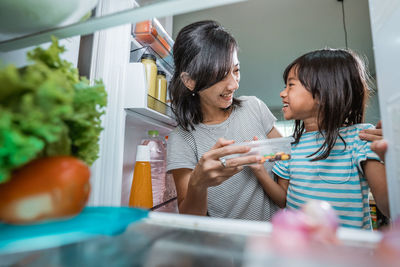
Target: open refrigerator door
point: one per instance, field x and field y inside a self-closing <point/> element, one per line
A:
<point x="385" y="18"/>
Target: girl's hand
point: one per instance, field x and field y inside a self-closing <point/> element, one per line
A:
<point x="372" y="134"/>
<point x="210" y="171"/>
<point x="259" y="166"/>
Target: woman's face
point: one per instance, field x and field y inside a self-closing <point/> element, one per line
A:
<point x="220" y="95"/>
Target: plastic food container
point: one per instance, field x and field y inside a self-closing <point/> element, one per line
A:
<point x="270" y="149"/>
<point x="151" y="33"/>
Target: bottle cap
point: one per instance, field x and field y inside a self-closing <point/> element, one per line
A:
<point x="152" y="133"/>
<point x="160" y="72"/>
<point x="143" y="153"/>
<point x="148" y="56"/>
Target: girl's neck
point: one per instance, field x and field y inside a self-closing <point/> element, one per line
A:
<point x="310" y="125"/>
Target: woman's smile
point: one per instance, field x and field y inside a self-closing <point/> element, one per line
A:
<point x="227" y="97"/>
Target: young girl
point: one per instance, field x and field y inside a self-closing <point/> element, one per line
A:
<point x="325" y="93"/>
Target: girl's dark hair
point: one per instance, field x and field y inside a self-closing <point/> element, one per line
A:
<point x="338" y="80"/>
<point x="204" y="51"/>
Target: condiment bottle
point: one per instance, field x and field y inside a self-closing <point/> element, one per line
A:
<point x="141" y="190"/>
<point x="149" y="62"/>
<point x="161" y="89"/>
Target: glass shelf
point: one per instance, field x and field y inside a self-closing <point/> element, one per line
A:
<point x="147" y="10"/>
<point x="159" y="106"/>
<point x="162" y="239"/>
<point x="166" y="63"/>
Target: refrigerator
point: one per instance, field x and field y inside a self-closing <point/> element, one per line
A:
<point x="167" y="239"/>
<point x="128" y="118"/>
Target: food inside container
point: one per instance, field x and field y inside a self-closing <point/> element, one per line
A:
<point x="271" y="150"/>
<point x="151" y="33"/>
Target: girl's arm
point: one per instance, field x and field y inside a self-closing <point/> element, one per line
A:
<point x="275" y="190"/>
<point x="376" y="175"/>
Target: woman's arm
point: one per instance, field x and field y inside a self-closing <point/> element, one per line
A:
<point x="191" y="199"/>
<point x="275" y="190"/>
<point x="191" y="185"/>
<point x="376" y="175"/>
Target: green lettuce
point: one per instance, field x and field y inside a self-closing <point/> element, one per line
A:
<point x="46" y="109"/>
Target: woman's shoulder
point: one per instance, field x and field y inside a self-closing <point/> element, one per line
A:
<point x="251" y="101"/>
<point x="248" y="98"/>
<point x="177" y="133"/>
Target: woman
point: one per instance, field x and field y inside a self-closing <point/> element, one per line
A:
<point x="207" y="74"/>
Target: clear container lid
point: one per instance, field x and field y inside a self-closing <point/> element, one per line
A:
<point x="270" y="149"/>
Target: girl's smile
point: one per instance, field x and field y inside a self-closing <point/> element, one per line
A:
<point x="298" y="102"/>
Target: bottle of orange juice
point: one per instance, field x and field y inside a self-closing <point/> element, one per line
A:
<point x="141" y="190"/>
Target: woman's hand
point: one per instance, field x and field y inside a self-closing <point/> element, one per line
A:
<point x="372" y="134"/>
<point x="191" y="185"/>
<point x="210" y="171"/>
<point x="380" y="148"/>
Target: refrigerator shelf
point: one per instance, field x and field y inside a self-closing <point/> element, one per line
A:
<point x="161" y="239"/>
<point x="136" y="98"/>
<point x="140" y="10"/>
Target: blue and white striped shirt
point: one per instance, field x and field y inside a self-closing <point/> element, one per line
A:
<point x="338" y="179"/>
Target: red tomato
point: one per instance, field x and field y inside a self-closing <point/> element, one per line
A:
<point x="44" y="189"/>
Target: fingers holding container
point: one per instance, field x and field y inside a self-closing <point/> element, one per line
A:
<point x="214" y="168"/>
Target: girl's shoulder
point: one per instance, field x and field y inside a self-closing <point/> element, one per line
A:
<point x="356" y="128"/>
<point x="351" y="132"/>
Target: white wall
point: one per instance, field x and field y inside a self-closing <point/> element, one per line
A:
<point x="272" y="33"/>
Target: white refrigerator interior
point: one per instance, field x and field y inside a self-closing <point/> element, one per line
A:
<point x="385" y="21"/>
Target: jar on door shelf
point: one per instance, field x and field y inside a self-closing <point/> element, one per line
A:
<point x="151" y="33"/>
<point x="161" y="89"/>
<point x="149" y="62"/>
<point x="161" y="92"/>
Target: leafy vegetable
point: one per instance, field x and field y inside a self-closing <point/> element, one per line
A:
<point x="46" y="109"/>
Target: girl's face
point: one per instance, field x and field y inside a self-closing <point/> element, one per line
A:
<point x="298" y="103"/>
<point x="220" y="95"/>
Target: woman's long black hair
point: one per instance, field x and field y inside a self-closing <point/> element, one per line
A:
<point x="204" y="51"/>
<point x="338" y="80"/>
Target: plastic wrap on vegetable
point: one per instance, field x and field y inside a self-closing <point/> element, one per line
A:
<point x="296" y="229"/>
<point x="49" y="131"/>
